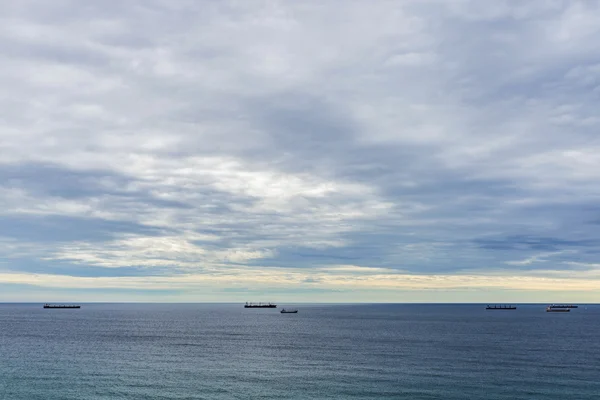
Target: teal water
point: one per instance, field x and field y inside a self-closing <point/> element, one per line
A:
<point x="223" y="351"/>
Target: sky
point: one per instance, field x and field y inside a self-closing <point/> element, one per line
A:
<point x="300" y="151"/>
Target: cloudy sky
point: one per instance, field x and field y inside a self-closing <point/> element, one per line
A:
<point x="316" y="151"/>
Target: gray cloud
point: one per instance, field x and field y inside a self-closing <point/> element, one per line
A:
<point x="423" y="137"/>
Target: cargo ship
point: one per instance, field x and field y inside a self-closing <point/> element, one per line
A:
<point x="551" y="309"/>
<point x="563" y="306"/>
<point x="260" y="305"/>
<point x="500" y="307"/>
<point x="60" y="306"/>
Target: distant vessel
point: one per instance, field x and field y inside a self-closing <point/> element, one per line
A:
<point x="562" y="306"/>
<point x="551" y="309"/>
<point x="284" y="311"/>
<point x="260" y="305"/>
<point x="60" y="306"/>
<point x="500" y="307"/>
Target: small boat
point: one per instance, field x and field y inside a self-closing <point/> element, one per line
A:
<point x="551" y="309"/>
<point x="500" y="307"/>
<point x="284" y="311"/>
<point x="60" y="306"/>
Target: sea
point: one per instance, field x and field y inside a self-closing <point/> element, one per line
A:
<point x="325" y="351"/>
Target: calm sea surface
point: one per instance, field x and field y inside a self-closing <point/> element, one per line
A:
<point x="223" y="351"/>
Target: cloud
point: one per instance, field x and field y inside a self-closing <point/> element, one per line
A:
<point x="283" y="280"/>
<point x="415" y="139"/>
<point x="539" y="258"/>
<point x="357" y="269"/>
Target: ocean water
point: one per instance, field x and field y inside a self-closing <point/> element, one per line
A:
<point x="223" y="351"/>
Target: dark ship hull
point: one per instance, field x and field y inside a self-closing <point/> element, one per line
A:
<point x="59" y="306"/>
<point x="260" y="305"/>
<point x="501" y="308"/>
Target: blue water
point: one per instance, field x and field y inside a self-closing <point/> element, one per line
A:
<point x="199" y="351"/>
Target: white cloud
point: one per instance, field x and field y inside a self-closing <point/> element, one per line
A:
<point x="286" y="279"/>
<point x="539" y="258"/>
<point x="400" y="134"/>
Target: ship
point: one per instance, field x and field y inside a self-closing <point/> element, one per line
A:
<point x="500" y="307"/>
<point x="260" y="305"/>
<point x="562" y="306"/>
<point x="284" y="311"/>
<point x="552" y="309"/>
<point x="60" y="306"/>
